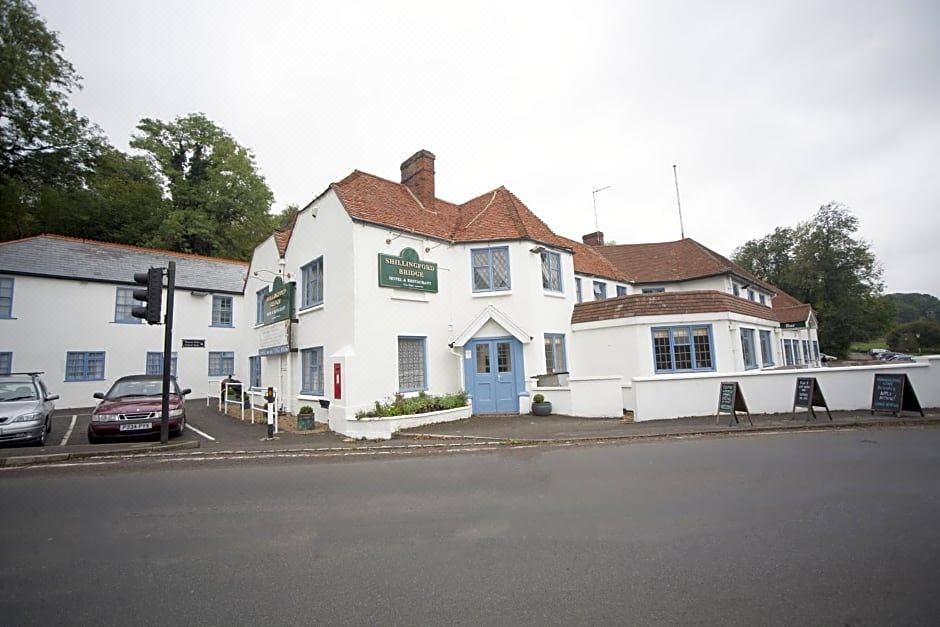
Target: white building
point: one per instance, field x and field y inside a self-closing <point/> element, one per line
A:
<point x="65" y="310"/>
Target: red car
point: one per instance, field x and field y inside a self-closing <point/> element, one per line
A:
<point x="133" y="407"/>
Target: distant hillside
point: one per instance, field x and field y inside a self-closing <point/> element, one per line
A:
<point x="912" y="307"/>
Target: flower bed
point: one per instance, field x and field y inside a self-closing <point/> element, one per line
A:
<point x="416" y="405"/>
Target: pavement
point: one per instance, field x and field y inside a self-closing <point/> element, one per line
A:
<point x="214" y="433"/>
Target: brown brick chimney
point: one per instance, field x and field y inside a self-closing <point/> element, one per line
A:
<point x="593" y="239"/>
<point x="417" y="174"/>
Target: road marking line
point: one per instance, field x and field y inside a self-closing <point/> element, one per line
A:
<point x="202" y="433"/>
<point x="68" y="433"/>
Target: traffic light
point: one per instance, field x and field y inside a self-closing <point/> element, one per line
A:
<point x="153" y="295"/>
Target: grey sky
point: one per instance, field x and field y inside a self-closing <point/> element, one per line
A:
<point x="770" y="109"/>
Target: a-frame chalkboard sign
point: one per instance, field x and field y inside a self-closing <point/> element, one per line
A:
<point x="808" y="394"/>
<point x="894" y="393"/>
<point x="731" y="401"/>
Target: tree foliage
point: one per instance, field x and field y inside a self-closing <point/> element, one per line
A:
<point x="218" y="202"/>
<point x="823" y="262"/>
<point x="911" y="307"/>
<point x="917" y="336"/>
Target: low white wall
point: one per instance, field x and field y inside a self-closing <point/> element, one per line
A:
<point x="559" y="397"/>
<point x="383" y="428"/>
<point x="846" y="388"/>
<point x="596" y="397"/>
<point x="628" y="398"/>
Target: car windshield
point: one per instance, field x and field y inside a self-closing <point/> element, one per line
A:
<point x="17" y="391"/>
<point x="127" y="388"/>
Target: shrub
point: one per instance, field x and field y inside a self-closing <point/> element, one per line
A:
<point x="306" y="409"/>
<point x="538" y="398"/>
<point x="420" y="404"/>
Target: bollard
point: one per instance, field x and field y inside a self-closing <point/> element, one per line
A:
<point x="269" y="397"/>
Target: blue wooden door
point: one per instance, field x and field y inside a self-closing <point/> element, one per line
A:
<point x="493" y="379"/>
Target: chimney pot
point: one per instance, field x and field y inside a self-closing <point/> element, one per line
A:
<point x="593" y="239"/>
<point x="417" y="174"/>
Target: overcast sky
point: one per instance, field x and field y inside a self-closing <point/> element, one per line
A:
<point x="770" y="109"/>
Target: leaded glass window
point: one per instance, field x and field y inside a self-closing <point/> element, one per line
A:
<point x="412" y="370"/>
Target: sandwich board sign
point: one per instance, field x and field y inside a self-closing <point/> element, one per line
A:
<point x="731" y="401"/>
<point x="894" y="393"/>
<point x="808" y="394"/>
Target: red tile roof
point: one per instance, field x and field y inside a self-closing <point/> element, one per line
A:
<point x="668" y="303"/>
<point x="665" y="262"/>
<point x="282" y="236"/>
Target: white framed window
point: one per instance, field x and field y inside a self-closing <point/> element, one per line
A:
<point x="6" y="363"/>
<point x="683" y="349"/>
<point x="311" y="365"/>
<point x="600" y="290"/>
<point x="154" y="365"/>
<point x="84" y="366"/>
<point x="551" y="271"/>
<point x="577" y="287"/>
<point x="222" y="311"/>
<point x="311" y="284"/>
<point x="766" y="348"/>
<point x="221" y="363"/>
<point x="260" y="295"/>
<point x="555" y="358"/>
<point x="747" y="349"/>
<point x="490" y="269"/>
<point x="123" y="305"/>
<point x="6" y="297"/>
<point x="412" y="364"/>
<point x="621" y="290"/>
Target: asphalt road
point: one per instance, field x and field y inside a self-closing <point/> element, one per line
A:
<point x="832" y="529"/>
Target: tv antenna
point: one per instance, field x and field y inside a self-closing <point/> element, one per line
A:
<point x="678" y="202"/>
<point x="594" y="195"/>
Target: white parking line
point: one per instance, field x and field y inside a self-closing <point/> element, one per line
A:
<point x="202" y="433"/>
<point x="69" y="430"/>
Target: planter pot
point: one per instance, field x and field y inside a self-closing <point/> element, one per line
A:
<point x="305" y="421"/>
<point x="542" y="409"/>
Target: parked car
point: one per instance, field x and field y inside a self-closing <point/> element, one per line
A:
<point x="875" y="352"/>
<point x="25" y="408"/>
<point x="133" y="407"/>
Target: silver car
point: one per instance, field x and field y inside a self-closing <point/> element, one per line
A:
<point x="25" y="408"/>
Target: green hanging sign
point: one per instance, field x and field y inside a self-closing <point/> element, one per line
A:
<point x="407" y="272"/>
<point x="278" y="303"/>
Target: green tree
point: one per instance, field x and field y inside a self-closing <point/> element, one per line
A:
<point x="218" y="202"/>
<point x="824" y="263"/>
<point x="911" y="307"/>
<point x="43" y="141"/>
<point x="915" y="337"/>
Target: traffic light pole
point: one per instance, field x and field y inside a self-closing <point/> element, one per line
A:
<point x="167" y="352"/>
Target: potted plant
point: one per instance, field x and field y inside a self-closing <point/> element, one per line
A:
<point x="305" y="417"/>
<point x="541" y="407"/>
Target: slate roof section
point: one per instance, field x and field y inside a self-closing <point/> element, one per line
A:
<point x="669" y="262"/>
<point x="57" y="256"/>
<point x="669" y="303"/>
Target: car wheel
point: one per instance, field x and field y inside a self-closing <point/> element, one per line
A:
<point x="92" y="438"/>
<point x="179" y="433"/>
<point x="41" y="440"/>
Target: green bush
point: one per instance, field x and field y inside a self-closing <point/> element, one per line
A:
<point x="306" y="409"/>
<point x="538" y="398"/>
<point x="420" y="404"/>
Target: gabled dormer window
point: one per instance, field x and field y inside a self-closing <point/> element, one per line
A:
<point x="551" y="271"/>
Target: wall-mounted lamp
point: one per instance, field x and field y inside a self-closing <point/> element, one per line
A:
<point x="537" y="250"/>
<point x="272" y="273"/>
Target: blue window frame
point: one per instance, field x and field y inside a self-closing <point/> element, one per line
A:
<point x="6" y="363"/>
<point x="222" y="311"/>
<point x="412" y="364"/>
<point x="556" y="359"/>
<point x="311" y="366"/>
<point x="577" y="287"/>
<point x="551" y="271"/>
<point x="600" y="290"/>
<point x="123" y="304"/>
<point x="490" y="269"/>
<point x="763" y="299"/>
<point x="621" y="290"/>
<point x="652" y="290"/>
<point x="807" y="357"/>
<point x="6" y="297"/>
<point x="311" y="284"/>
<point x="816" y="350"/>
<point x="84" y="366"/>
<point x="751" y="295"/>
<point x="683" y="349"/>
<point x="254" y="371"/>
<point x="747" y="349"/>
<point x="736" y="289"/>
<point x="766" y="349"/>
<point x="221" y="363"/>
<point x="259" y="295"/>
<point x="154" y="365"/>
<point x="789" y="353"/>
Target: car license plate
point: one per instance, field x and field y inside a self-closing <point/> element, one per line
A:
<point x="136" y="426"/>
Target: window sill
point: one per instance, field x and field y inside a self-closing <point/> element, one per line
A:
<point x="312" y="308"/>
<point x="310" y="396"/>
<point x="493" y="293"/>
<point x="134" y="321"/>
<point x="221" y="326"/>
<point x="412" y="393"/>
<point x="82" y="380"/>
<point x="553" y="294"/>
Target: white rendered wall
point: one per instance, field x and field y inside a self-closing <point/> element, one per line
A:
<point x="54" y="316"/>
<point x="771" y="391"/>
